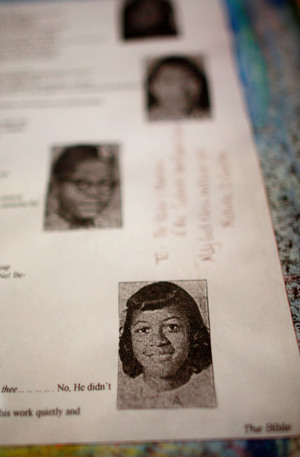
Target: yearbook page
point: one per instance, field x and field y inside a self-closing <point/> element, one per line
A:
<point x="141" y="292"/>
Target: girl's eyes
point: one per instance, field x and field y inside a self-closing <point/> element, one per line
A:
<point x="142" y="330"/>
<point x="172" y="328"/>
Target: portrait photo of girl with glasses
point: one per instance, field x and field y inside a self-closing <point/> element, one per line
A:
<point x="84" y="188"/>
<point x="165" y="358"/>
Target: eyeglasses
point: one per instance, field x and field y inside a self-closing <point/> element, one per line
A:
<point x="85" y="186"/>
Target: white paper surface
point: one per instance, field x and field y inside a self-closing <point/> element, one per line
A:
<point x="187" y="207"/>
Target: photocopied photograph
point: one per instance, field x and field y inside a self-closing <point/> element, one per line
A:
<point x="84" y="188"/>
<point x="148" y="19"/>
<point x="165" y="358"/>
<point x="177" y="88"/>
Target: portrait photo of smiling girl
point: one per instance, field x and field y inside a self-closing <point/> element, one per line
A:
<point x="164" y="349"/>
<point x="177" y="88"/>
<point x="84" y="190"/>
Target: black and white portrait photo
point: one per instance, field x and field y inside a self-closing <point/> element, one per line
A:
<point x="84" y="188"/>
<point x="164" y="349"/>
<point x="177" y="88"/>
<point x="148" y="19"/>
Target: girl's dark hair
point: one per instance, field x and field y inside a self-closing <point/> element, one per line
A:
<point x="187" y="64"/>
<point x="72" y="156"/>
<point x="165" y="27"/>
<point x="159" y="295"/>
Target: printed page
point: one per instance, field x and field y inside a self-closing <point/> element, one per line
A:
<point x="141" y="292"/>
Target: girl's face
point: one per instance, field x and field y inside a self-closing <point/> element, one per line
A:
<point x="145" y="15"/>
<point x="160" y="340"/>
<point x="87" y="190"/>
<point x="176" y="89"/>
